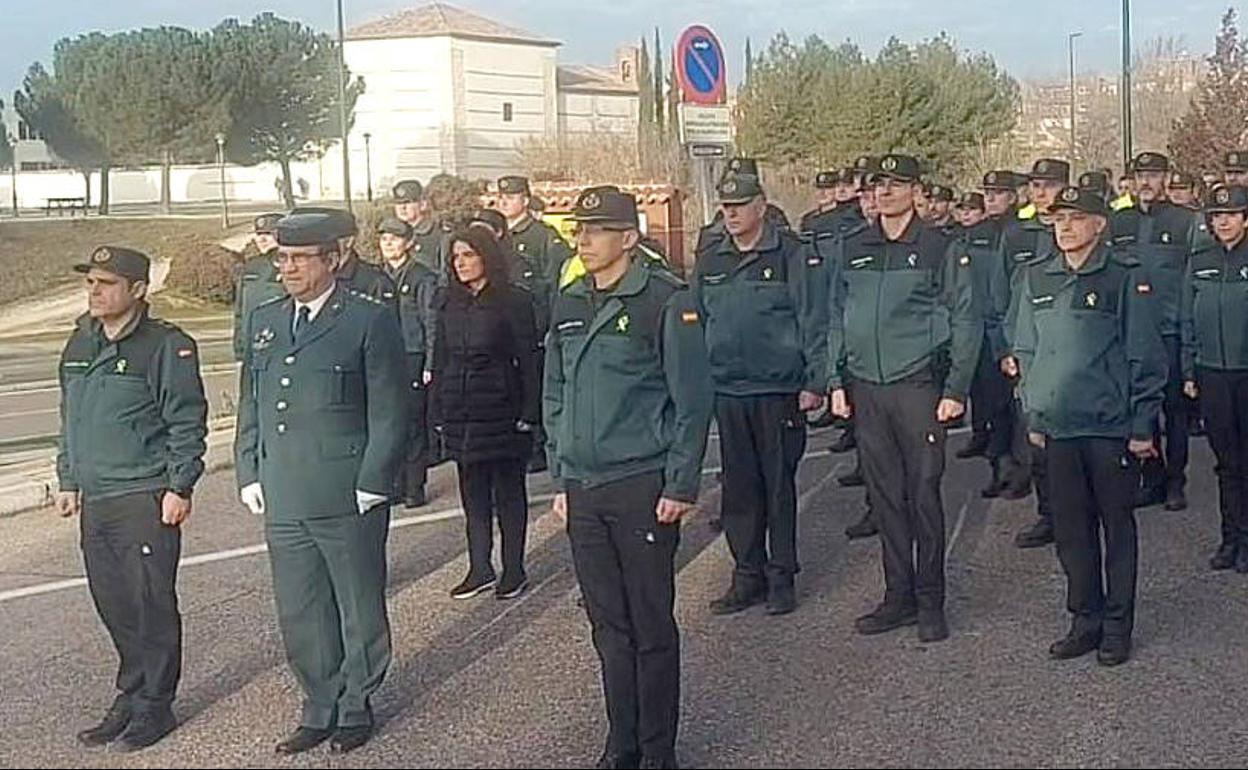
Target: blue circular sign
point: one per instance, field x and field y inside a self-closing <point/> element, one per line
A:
<point x="700" y="66"/>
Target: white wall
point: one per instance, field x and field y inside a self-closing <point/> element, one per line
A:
<point x="596" y="113"/>
<point x="187" y="184"/>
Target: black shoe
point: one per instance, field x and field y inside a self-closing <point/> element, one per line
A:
<point x="417" y="499"/>
<point x="348" y="739"/>
<point x="1175" y="499"/>
<point x="611" y="760"/>
<point x="112" y="725"/>
<point x="1114" y="651"/>
<point x="715" y="524"/>
<point x="1016" y="486"/>
<point x="510" y="588"/>
<point x="659" y="763"/>
<point x="932" y="626"/>
<point x="1036" y="536"/>
<point x="851" y="479"/>
<point x="1241" y="561"/>
<point x="846" y="442"/>
<point x="737" y="599"/>
<point x="1225" y="557"/>
<point x="993" y="490"/>
<point x="145" y="730"/>
<point x="974" y="448"/>
<point x="886" y="618"/>
<point x="303" y="739"/>
<point x="537" y="464"/>
<point x="1146" y="497"/>
<point x="1075" y="644"/>
<point x="864" y="527"/>
<point x="472" y="586"/>
<point x="781" y="599"/>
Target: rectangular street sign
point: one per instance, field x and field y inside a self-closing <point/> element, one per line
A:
<point x="705" y="124"/>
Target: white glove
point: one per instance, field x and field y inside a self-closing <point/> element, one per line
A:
<point x="367" y="501"/>
<point x="253" y="497"/>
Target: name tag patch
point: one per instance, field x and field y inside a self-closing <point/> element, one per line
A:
<point x="569" y="325"/>
<point x="860" y="262"/>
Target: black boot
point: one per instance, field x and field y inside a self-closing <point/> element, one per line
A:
<point x="1225" y="557"/>
<point x="844" y="443"/>
<point x="886" y="617"/>
<point x="864" y="527"/>
<point x="146" y="729"/>
<point x="1037" y="536"/>
<point x="303" y="739"/>
<point x="852" y="479"/>
<point x="112" y="725"/>
<point x="1175" y="499"/>
<point x="974" y="448"/>
<point x="740" y="597"/>
<point x="1075" y="644"/>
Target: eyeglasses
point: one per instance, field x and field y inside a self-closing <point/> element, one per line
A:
<point x="296" y="259"/>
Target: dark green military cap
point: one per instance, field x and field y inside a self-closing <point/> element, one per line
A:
<point x="267" y="223"/>
<point x="1150" y="161"/>
<point x="309" y="229"/>
<point x="971" y="200"/>
<point x="738" y="188"/>
<point x="846" y="175"/>
<point x="826" y="180"/>
<point x="1050" y="169"/>
<point x="999" y="180"/>
<point x="510" y="185"/>
<point x="1236" y="160"/>
<point x="940" y="192"/>
<point x="492" y="218"/>
<point x="1227" y="198"/>
<point x="1095" y="181"/>
<point x="343" y="221"/>
<point x="742" y="166"/>
<point x="1086" y="201"/>
<point x="609" y="208"/>
<point x="901" y="167"/>
<point x="395" y="226"/>
<point x="408" y="191"/>
<point x="1181" y="180"/>
<point x="118" y="260"/>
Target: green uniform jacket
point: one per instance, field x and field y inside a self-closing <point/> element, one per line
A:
<point x="366" y="278"/>
<point x="540" y="245"/>
<point x="258" y="282"/>
<point x="900" y="307"/>
<point x="836" y="221"/>
<point x="133" y="412"/>
<point x="764" y="314"/>
<point x="1023" y="242"/>
<point x="415" y="291"/>
<point x="1092" y="360"/>
<point x="627" y="385"/>
<point x="981" y="243"/>
<point x="429" y="246"/>
<point x="1215" y="309"/>
<point x="323" y="417"/>
<point x="1165" y="236"/>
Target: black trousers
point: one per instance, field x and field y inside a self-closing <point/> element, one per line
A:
<point x="626" y="564"/>
<point x="1036" y="458"/>
<point x="1176" y="411"/>
<point x="903" y="458"/>
<point x="132" y="571"/>
<point x="990" y="404"/>
<point x="413" y="470"/>
<point x="761" y="440"/>
<point x="1224" y="401"/>
<point x="1093" y="486"/>
<point x="489" y="489"/>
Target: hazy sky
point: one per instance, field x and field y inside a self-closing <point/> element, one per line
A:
<point x="1027" y="43"/>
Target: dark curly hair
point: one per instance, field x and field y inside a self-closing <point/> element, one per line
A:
<point x="482" y="241"/>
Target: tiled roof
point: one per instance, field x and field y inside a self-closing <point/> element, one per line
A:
<point x="443" y="20"/>
<point x="576" y="77"/>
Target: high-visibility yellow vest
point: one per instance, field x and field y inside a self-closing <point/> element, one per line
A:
<point x="1124" y="201"/>
<point x="574" y="269"/>
<point x="1027" y="212"/>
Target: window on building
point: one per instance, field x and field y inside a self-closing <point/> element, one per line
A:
<point x="506" y="112"/>
<point x="26" y="133"/>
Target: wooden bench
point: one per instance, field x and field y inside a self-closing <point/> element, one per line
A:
<point x="65" y="204"/>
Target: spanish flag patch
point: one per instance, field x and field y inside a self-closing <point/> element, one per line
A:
<point x="1144" y="288"/>
<point x="689" y="317"/>
<point x="185" y="352"/>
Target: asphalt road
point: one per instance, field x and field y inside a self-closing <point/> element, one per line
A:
<point x="485" y="683"/>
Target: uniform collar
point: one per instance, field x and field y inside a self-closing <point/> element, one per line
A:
<point x="909" y="235"/>
<point x="768" y="241"/>
<point x="631" y="283"/>
<point x="1096" y="262"/>
<point x="424" y="228"/>
<point x="524" y="224"/>
<point x="314" y="306"/>
<point x="97" y="327"/>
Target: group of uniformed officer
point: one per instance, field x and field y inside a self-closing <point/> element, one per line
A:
<point x="1078" y="328"/>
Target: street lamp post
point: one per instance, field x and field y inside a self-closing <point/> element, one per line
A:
<point x="225" y="205"/>
<point x="1126" y="85"/>
<point x="12" y="140"/>
<point x="368" y="163"/>
<point x="342" y="111"/>
<point x="1070" y="45"/>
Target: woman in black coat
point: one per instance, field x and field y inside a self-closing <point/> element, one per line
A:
<point x="486" y="395"/>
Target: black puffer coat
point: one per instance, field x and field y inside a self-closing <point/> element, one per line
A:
<point x="486" y="376"/>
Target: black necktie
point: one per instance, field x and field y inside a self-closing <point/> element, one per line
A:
<point x="302" y="321"/>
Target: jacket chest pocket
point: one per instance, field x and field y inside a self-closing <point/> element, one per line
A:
<point x="343" y="383"/>
<point x="121" y="395"/>
<point x="770" y="297"/>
